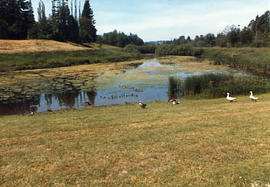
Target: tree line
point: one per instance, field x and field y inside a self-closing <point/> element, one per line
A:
<point x="65" y="23"/>
<point x="255" y="34"/>
<point x="120" y="39"/>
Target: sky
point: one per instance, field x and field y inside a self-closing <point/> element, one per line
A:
<point x="154" y="20"/>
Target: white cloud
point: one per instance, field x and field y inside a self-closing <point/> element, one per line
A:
<point x="167" y="19"/>
<point x="177" y="19"/>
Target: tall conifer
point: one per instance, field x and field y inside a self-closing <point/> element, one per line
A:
<point x="88" y="32"/>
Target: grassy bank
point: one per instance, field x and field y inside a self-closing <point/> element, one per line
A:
<point x="255" y="60"/>
<point x="52" y="59"/>
<point x="199" y="142"/>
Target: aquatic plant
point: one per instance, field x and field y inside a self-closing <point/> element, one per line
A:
<point x="217" y="85"/>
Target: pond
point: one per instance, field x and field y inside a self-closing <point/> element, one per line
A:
<point x="111" y="84"/>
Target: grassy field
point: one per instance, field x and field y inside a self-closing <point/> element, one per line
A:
<point x="197" y="143"/>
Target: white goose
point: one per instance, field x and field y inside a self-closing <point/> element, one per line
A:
<point x="231" y="99"/>
<point x="252" y="98"/>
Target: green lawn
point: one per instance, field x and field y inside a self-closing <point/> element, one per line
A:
<point x="197" y="143"/>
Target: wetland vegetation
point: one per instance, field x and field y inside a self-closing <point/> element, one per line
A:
<point x="118" y="83"/>
<point x="37" y="60"/>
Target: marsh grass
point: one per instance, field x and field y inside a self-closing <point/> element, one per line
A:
<point x="214" y="85"/>
<point x="255" y="60"/>
<point x="174" y="88"/>
<point x="198" y="143"/>
<point x="52" y="59"/>
<point x="217" y="85"/>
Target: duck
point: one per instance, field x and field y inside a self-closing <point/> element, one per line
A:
<point x="49" y="110"/>
<point x="252" y="98"/>
<point x="175" y="102"/>
<point x="87" y="103"/>
<point x="231" y="99"/>
<point x="142" y="105"/>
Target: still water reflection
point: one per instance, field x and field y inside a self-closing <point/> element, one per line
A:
<point x="147" y="82"/>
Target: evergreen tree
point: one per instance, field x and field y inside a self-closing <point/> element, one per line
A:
<point x="44" y="27"/>
<point x="16" y="19"/>
<point x="73" y="30"/>
<point x="64" y="25"/>
<point x="3" y="19"/>
<point x="88" y="32"/>
<point x="30" y="19"/>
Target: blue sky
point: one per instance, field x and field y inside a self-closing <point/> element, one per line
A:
<point x="168" y="19"/>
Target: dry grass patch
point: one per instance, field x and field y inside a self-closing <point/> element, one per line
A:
<point x="29" y="46"/>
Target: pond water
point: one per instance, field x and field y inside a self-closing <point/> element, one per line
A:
<point x="147" y="81"/>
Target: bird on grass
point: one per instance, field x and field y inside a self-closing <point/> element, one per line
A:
<point x="173" y="101"/>
<point x="87" y="103"/>
<point x="49" y="110"/>
<point x="253" y="98"/>
<point x="142" y="105"/>
<point x="231" y="99"/>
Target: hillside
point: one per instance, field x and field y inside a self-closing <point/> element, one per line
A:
<point x="198" y="143"/>
<point x="27" y="46"/>
<point x="35" y="54"/>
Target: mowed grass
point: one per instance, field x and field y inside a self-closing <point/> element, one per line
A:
<point x="197" y="143"/>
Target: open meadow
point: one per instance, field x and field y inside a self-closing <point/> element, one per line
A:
<point x="207" y="142"/>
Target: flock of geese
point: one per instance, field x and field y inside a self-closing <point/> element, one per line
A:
<point x="251" y="97"/>
<point x="229" y="98"/>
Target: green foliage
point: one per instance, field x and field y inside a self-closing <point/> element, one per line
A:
<point x="132" y="48"/>
<point x="256" y="34"/>
<point x="62" y="58"/>
<point x="182" y="50"/>
<point x="120" y="39"/>
<point x="147" y="48"/>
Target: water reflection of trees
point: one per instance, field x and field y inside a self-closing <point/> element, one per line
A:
<point x="91" y="95"/>
<point x="70" y="97"/>
<point x="20" y="107"/>
<point x="58" y="91"/>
